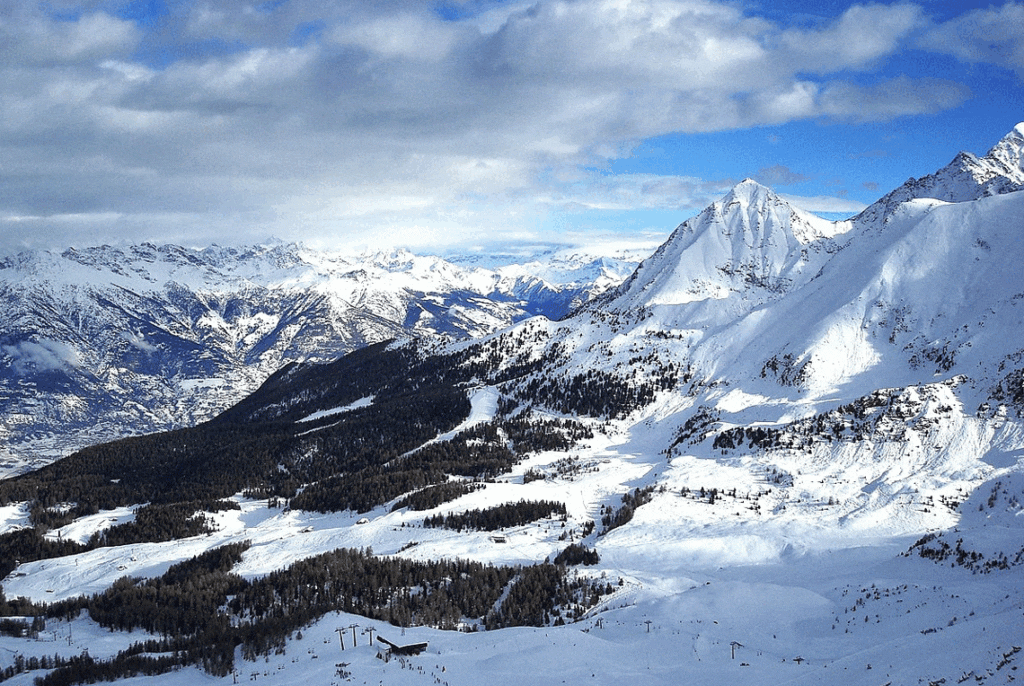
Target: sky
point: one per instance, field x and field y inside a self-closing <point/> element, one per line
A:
<point x="449" y="126"/>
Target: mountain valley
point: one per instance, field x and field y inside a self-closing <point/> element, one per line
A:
<point x="108" y="342"/>
<point x="783" y="450"/>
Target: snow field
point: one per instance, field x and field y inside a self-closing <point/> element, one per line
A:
<point x="794" y="579"/>
<point x="678" y="631"/>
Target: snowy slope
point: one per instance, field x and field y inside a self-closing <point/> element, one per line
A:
<point x="758" y="291"/>
<point x="799" y="620"/>
<point x="830" y="417"/>
<point x="752" y="244"/>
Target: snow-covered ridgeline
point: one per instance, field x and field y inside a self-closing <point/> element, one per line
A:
<point x="837" y="469"/>
<point x="103" y="342"/>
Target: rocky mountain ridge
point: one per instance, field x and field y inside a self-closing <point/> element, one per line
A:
<point x="966" y="177"/>
<point x="106" y="341"/>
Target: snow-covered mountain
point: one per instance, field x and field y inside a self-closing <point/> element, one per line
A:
<point x="967" y="177"/>
<point x="751" y="245"/>
<point x="105" y="342"/>
<point x="758" y="289"/>
<point x="785" y="450"/>
<point x="860" y="371"/>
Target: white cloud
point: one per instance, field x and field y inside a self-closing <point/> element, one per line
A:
<point x="994" y="35"/>
<point x="32" y="39"/>
<point x="635" y="191"/>
<point x="26" y="357"/>
<point x="137" y="341"/>
<point x="396" y="123"/>
<point x="825" y="204"/>
<point x="863" y="34"/>
<point x="891" y="98"/>
<point x="400" y="36"/>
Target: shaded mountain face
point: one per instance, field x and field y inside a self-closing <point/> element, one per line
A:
<point x="105" y="342"/>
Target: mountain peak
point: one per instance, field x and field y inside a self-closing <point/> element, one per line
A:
<point x="750" y="240"/>
<point x="966" y="177"/>
<point x="749" y="190"/>
<point x="746" y="201"/>
<point x="758" y="203"/>
<point x="1009" y="153"/>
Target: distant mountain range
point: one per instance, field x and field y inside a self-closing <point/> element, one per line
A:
<point x="104" y="342"/>
<point x="798" y="439"/>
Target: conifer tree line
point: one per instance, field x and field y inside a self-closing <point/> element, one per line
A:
<point x="360" y="459"/>
<point x="480" y="453"/>
<point x="22" y="627"/>
<point x="202" y="611"/>
<point x="881" y="415"/>
<point x="498" y="517"/>
<point x="242" y="450"/>
<point x="545" y="595"/>
<point x="29" y="545"/>
<point x="259" y="448"/>
<point x="598" y="393"/>
<point x="157" y="523"/>
<point x="430" y="497"/>
<point x="152" y="524"/>
<point x="613" y="518"/>
<point x="933" y="547"/>
<point x="577" y="554"/>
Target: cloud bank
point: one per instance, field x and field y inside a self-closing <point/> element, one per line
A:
<point x="412" y="123"/>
